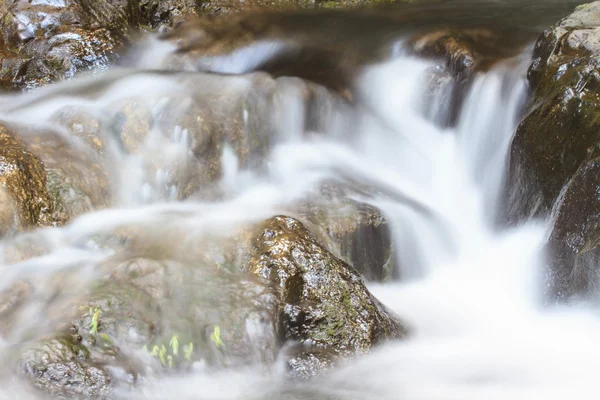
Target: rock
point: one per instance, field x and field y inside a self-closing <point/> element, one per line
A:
<point x="77" y="180"/>
<point x="47" y="40"/>
<point x="282" y="44"/>
<point x="561" y="127"/>
<point x="46" y="181"/>
<point x="169" y="12"/>
<point x="9" y="213"/>
<point x="573" y="251"/>
<point x="54" y="41"/>
<point x="462" y="53"/>
<point x="323" y="303"/>
<point x="356" y="232"/>
<point x="59" y="367"/>
<point x="554" y="154"/>
<point x="23" y="177"/>
<point x="220" y="302"/>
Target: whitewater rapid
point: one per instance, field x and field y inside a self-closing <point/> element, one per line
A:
<point x="469" y="291"/>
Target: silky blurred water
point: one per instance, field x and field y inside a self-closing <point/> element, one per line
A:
<point x="469" y="290"/>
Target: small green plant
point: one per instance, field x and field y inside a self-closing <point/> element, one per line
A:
<point x="188" y="351"/>
<point x="162" y="355"/>
<point x="94" y="313"/>
<point x="215" y="337"/>
<point x="174" y="343"/>
<point x="170" y="356"/>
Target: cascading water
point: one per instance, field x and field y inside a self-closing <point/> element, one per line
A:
<point x="468" y="291"/>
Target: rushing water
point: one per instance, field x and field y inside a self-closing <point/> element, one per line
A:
<point x="468" y="289"/>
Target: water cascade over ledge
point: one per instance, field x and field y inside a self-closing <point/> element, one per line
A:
<point x="167" y="169"/>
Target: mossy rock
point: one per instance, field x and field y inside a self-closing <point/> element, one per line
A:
<point x="324" y="304"/>
<point x="553" y="156"/>
<point x="562" y="124"/>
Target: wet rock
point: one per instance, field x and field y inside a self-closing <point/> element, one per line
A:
<point x="461" y="49"/>
<point x="22" y="175"/>
<point x="356" y="232"/>
<point x="14" y="296"/>
<point x="573" y="251"/>
<point x="553" y="158"/>
<point x="169" y="12"/>
<point x="323" y="301"/>
<point x="463" y="53"/>
<point x="45" y="41"/>
<point x="9" y="213"/>
<point x="54" y="40"/>
<point x="561" y="128"/>
<point x="310" y="364"/>
<point x="59" y="368"/>
<point x="77" y="180"/>
<point x="48" y="179"/>
<point x="82" y="124"/>
<point x="153" y="309"/>
<point x="269" y="42"/>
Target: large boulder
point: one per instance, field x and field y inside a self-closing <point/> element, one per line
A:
<point x="323" y="303"/>
<point x="561" y="128"/>
<point x="553" y="156"/>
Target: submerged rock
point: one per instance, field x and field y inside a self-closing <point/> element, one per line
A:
<point x="45" y="180"/>
<point x="152" y="310"/>
<point x="356" y="232"/>
<point x="324" y="304"/>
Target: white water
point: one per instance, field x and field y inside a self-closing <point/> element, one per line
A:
<point x="470" y="294"/>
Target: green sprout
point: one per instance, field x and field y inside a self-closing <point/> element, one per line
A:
<point x="174" y="343"/>
<point x="162" y="354"/>
<point x="168" y="355"/>
<point x="95" y="314"/>
<point x="188" y="351"/>
<point x="216" y="337"/>
<point x="94" y="323"/>
<point x="106" y="338"/>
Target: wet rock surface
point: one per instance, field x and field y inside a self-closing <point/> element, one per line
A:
<point x="25" y="199"/>
<point x="59" y="367"/>
<point x="573" y="245"/>
<point x="553" y="159"/>
<point x="560" y="131"/>
<point x="209" y="305"/>
<point x="48" y="180"/>
<point x="354" y="231"/>
<point x="52" y="40"/>
<point x="323" y="301"/>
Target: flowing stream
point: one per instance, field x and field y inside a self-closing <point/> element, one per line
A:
<point x="469" y="290"/>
